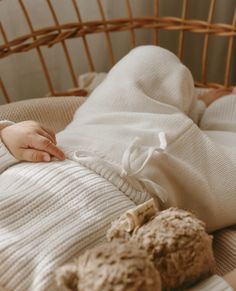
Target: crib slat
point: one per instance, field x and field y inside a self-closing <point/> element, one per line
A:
<point x="4" y="36"/>
<point x="156" y="12"/>
<point x="229" y="55"/>
<point x="85" y="43"/>
<point x="41" y="58"/>
<point x="130" y="15"/>
<point x="181" y="34"/>
<point x="107" y="36"/>
<point x="206" y="43"/>
<point x="4" y="91"/>
<point x="64" y="46"/>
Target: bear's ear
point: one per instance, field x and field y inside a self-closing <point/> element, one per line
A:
<point x="67" y="277"/>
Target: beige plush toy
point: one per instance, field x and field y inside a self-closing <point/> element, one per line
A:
<point x="147" y="250"/>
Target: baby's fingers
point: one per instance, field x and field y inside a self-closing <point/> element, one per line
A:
<point x="50" y="133"/>
<point x="48" y="136"/>
<point x="41" y="143"/>
<point x="32" y="155"/>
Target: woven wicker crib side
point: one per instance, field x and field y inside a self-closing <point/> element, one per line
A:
<point x="61" y="34"/>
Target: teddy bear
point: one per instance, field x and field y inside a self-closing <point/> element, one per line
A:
<point x="146" y="250"/>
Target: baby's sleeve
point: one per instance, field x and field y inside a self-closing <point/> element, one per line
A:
<point x="6" y="158"/>
<point x="214" y="283"/>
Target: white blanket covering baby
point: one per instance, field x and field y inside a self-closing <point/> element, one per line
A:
<point x="135" y="131"/>
<point x="140" y="123"/>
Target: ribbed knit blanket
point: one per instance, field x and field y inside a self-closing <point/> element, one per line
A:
<point x="134" y="137"/>
<point x="49" y="214"/>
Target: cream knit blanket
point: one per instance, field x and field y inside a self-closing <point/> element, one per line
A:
<point x="49" y="214"/>
<point x="133" y="133"/>
<point x="141" y="123"/>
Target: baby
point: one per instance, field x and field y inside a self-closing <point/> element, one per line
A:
<point x="32" y="142"/>
<point x="141" y="133"/>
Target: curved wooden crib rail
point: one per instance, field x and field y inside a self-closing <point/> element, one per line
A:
<point x="61" y="33"/>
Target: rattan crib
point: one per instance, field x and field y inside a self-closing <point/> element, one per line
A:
<point x="61" y="34"/>
<point x="51" y="110"/>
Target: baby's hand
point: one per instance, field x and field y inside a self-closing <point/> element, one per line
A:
<point x="213" y="95"/>
<point x="30" y="141"/>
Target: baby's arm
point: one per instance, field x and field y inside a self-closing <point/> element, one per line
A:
<point x="205" y="100"/>
<point x="28" y="141"/>
<point x="6" y="159"/>
<point x="213" y="95"/>
<point x="230" y="278"/>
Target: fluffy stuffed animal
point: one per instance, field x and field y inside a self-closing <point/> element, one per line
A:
<point x="147" y="251"/>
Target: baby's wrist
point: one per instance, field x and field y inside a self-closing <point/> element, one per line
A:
<point x="230" y="278"/>
<point x="4" y="124"/>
